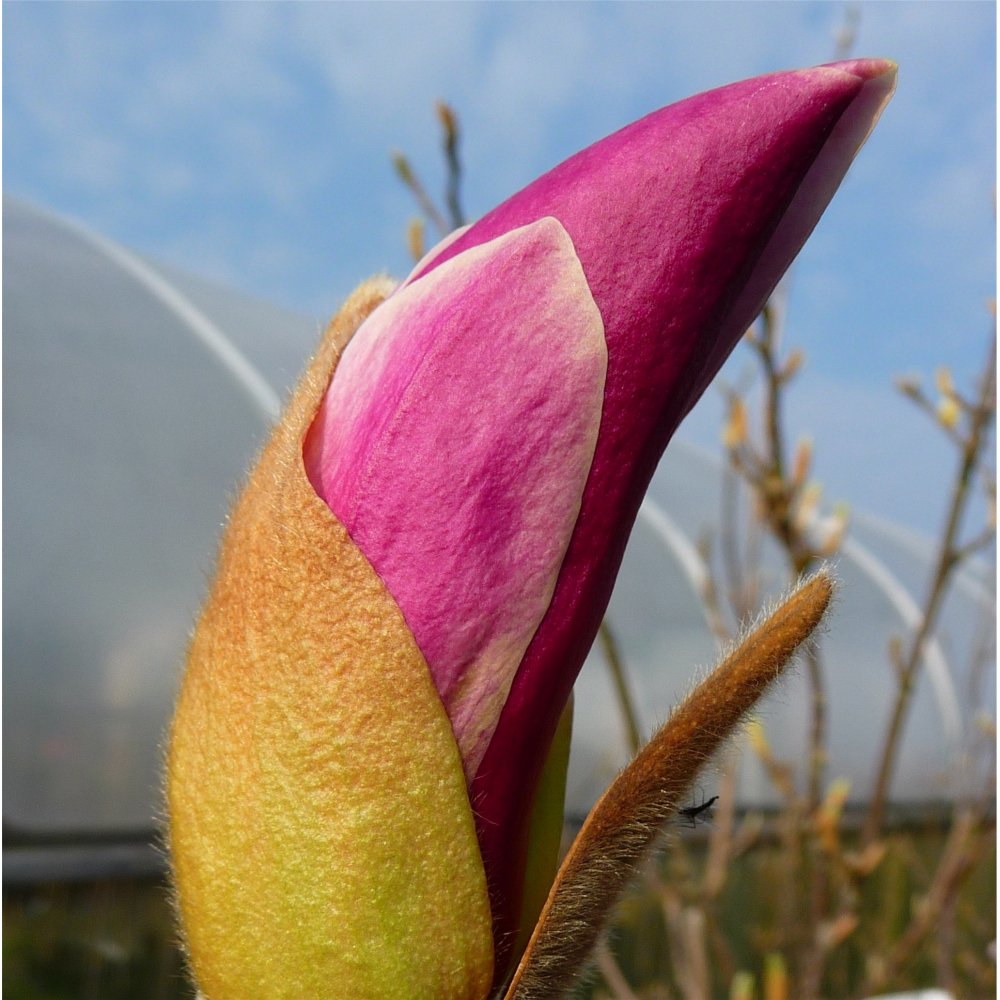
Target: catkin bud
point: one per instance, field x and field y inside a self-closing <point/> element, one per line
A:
<point x="793" y="364"/>
<point x="735" y="430"/>
<point x="415" y="239"/>
<point x="803" y="462"/>
<point x="402" y="167"/>
<point x="449" y="122"/>
<point x="948" y="412"/>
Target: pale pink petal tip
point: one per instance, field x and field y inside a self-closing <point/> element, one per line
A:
<point x="454" y="444"/>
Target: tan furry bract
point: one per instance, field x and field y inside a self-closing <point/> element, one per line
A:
<point x="626" y="821"/>
<point x="321" y="836"/>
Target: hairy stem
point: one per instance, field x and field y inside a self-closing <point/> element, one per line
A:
<point x="623" y="825"/>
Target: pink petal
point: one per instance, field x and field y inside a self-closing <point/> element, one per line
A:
<point x="683" y="222"/>
<point x="454" y="443"/>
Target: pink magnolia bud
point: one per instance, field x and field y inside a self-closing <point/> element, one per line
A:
<point x="459" y="431"/>
<point x="420" y="561"/>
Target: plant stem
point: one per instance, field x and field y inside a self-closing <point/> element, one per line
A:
<point x="950" y="555"/>
<point x="626" y="705"/>
<point x="452" y="133"/>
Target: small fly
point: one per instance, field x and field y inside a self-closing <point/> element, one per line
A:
<point x="691" y="814"/>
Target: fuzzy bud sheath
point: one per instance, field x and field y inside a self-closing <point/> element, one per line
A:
<point x="367" y="760"/>
<point x="321" y="836"/>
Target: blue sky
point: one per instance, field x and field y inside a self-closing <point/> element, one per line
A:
<point x="250" y="143"/>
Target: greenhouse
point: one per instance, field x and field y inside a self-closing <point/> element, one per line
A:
<point x="136" y="396"/>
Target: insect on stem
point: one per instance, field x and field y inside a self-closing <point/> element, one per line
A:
<point x="691" y="814"/>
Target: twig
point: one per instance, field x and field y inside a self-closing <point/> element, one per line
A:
<point x="406" y="174"/>
<point x="626" y="706"/>
<point x="709" y="594"/>
<point x="612" y="973"/>
<point x="965" y="847"/>
<point x="451" y="133"/>
<point x="950" y="554"/>
<point x="686" y="926"/>
<point x="847" y="33"/>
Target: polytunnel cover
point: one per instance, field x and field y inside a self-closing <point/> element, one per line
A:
<point x="135" y="397"/>
<point x="124" y="436"/>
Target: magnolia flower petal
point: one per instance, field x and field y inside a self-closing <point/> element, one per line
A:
<point x="321" y="834"/>
<point x="683" y="222"/>
<point x="454" y="444"/>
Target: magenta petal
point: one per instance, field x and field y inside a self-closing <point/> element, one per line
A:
<point x="454" y="443"/>
<point x="684" y="222"/>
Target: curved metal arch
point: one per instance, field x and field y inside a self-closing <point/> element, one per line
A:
<point x="216" y="340"/>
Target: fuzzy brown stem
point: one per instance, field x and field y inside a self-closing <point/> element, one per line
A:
<point x="623" y="825"/>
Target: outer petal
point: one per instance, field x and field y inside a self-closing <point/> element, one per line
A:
<point x="322" y="839"/>
<point x="454" y="444"/>
<point x="684" y="222"/>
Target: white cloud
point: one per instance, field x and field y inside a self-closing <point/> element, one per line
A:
<point x="381" y="59"/>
